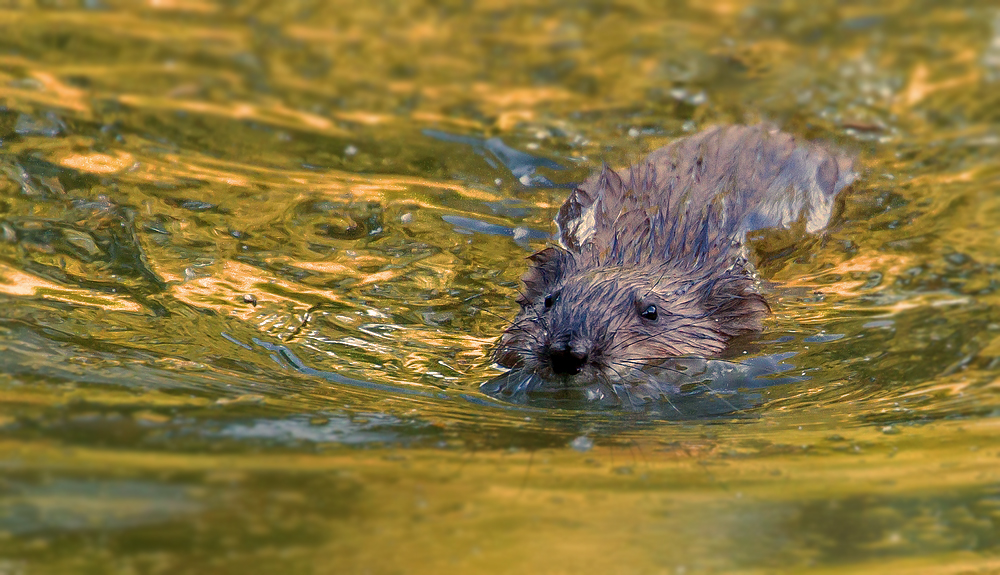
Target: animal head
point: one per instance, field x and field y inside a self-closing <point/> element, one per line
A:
<point x="584" y="320"/>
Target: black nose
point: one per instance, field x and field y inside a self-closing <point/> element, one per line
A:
<point x="566" y="361"/>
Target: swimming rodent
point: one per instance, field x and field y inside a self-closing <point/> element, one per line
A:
<point x="652" y="263"/>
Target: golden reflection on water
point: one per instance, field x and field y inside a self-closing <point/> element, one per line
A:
<point x="99" y="163"/>
<point x="16" y="283"/>
<point x="219" y="223"/>
<point x="654" y="502"/>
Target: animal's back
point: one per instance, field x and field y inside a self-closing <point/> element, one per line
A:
<point x="746" y="177"/>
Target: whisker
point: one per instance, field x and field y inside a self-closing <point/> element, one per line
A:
<point x="509" y="322"/>
<point x="638" y="364"/>
<point x="719" y="396"/>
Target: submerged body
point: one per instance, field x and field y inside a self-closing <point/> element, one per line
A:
<point x="651" y="264"/>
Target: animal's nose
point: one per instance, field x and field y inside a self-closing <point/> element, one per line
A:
<point x="565" y="361"/>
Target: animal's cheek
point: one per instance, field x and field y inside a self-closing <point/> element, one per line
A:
<point x="506" y="353"/>
<point x="626" y="342"/>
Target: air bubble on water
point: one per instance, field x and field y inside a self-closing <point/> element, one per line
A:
<point x="582" y="444"/>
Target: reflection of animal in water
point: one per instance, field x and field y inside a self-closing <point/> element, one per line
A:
<point x="652" y="263"/>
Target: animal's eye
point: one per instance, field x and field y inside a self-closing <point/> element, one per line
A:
<point x="649" y="313"/>
<point x="550" y="300"/>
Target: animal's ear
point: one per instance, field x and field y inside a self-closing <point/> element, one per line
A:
<point x="572" y="232"/>
<point x="737" y="307"/>
<point x="547" y="268"/>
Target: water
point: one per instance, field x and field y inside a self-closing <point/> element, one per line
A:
<point x="253" y="258"/>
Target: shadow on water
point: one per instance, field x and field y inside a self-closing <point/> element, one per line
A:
<point x="681" y="388"/>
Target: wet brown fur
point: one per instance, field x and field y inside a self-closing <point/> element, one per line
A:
<point x="668" y="233"/>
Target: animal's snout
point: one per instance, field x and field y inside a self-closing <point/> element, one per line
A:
<point x="565" y="361"/>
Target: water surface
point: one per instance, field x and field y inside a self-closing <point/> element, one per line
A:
<point x="253" y="258"/>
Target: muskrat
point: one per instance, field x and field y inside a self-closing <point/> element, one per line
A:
<point x="652" y="263"/>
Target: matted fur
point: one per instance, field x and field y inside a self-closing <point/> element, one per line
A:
<point x="667" y="233"/>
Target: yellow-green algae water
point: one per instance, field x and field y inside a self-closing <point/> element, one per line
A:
<point x="253" y="257"/>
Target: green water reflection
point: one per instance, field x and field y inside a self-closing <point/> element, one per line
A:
<point x="253" y="257"/>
